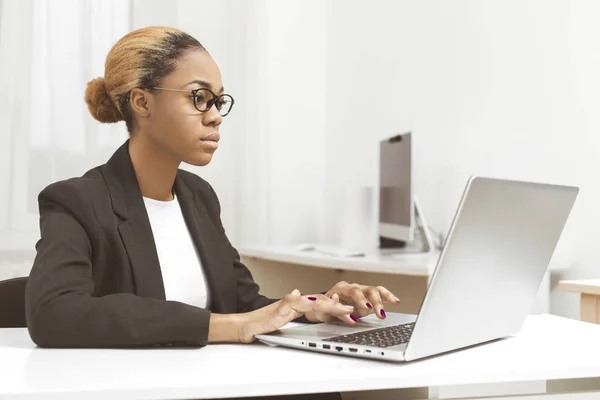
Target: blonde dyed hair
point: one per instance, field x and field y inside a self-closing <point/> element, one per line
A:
<point x="140" y="59"/>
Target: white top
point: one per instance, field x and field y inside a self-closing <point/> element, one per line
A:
<point x="180" y="263"/>
<point x="548" y="347"/>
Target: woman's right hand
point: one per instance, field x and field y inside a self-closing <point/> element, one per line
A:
<point x="290" y="307"/>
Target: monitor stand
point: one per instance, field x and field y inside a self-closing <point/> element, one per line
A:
<point x="422" y="242"/>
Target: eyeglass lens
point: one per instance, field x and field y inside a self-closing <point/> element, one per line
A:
<point x="204" y="99"/>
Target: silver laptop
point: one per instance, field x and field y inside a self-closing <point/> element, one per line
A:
<point x="485" y="283"/>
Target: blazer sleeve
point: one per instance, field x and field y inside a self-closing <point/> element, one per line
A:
<point x="61" y="310"/>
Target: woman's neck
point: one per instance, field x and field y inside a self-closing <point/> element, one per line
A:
<point x="154" y="169"/>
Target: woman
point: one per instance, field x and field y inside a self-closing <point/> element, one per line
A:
<point x="133" y="253"/>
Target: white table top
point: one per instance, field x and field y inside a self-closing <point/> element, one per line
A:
<point x="408" y="264"/>
<point x="547" y="348"/>
<point x="587" y="286"/>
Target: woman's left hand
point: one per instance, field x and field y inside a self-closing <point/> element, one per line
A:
<point x="365" y="299"/>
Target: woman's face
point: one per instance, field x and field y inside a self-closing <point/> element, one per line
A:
<point x="174" y="123"/>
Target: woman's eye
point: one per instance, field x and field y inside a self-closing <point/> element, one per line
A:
<point x="199" y="98"/>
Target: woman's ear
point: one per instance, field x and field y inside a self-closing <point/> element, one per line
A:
<point x="139" y="100"/>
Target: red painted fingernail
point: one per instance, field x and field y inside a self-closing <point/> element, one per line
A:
<point x="353" y="317"/>
<point x="312" y="298"/>
<point x="382" y="312"/>
<point x="369" y="305"/>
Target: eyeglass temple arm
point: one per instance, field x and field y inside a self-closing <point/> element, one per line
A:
<point x="172" y="90"/>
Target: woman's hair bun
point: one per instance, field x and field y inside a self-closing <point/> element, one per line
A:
<point x="99" y="102"/>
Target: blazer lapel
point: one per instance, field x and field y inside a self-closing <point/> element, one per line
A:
<point x="137" y="237"/>
<point x="135" y="230"/>
<point x="214" y="256"/>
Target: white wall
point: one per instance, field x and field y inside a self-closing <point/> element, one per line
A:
<point x="502" y="88"/>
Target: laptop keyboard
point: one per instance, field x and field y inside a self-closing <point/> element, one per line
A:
<point x="381" y="337"/>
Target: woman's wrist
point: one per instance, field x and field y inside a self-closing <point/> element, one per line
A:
<point x="226" y="328"/>
<point x="255" y="322"/>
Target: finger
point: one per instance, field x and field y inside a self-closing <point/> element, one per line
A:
<point x="325" y="317"/>
<point x="375" y="298"/>
<point x="288" y="303"/>
<point x="344" y="313"/>
<point x="324" y="305"/>
<point x="387" y="296"/>
<point x="361" y="304"/>
<point x="351" y="319"/>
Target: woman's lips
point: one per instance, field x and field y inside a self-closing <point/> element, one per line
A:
<point x="213" y="136"/>
<point x="211" y="141"/>
<point x="210" y="144"/>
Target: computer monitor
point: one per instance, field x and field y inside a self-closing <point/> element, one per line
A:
<point x="396" y="208"/>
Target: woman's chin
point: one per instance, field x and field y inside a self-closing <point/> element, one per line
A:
<point x="199" y="159"/>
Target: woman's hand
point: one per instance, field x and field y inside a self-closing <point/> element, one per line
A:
<point x="364" y="299"/>
<point x="274" y="316"/>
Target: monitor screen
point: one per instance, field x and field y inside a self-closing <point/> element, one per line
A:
<point x="395" y="197"/>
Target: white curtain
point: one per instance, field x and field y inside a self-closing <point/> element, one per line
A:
<point x="50" y="49"/>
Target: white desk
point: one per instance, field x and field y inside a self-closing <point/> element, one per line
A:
<point x="280" y="269"/>
<point x="375" y="262"/>
<point x="548" y="348"/>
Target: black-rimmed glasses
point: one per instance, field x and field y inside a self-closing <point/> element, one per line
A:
<point x="204" y="99"/>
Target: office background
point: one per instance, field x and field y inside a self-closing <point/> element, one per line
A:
<point x="505" y="88"/>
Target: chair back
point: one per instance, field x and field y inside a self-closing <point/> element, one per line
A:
<point x="12" y="303"/>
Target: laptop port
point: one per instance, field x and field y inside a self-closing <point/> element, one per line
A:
<point x="339" y="348"/>
<point x="352" y="350"/>
<point x="310" y="344"/>
<point x="326" y="346"/>
<point x="367" y="351"/>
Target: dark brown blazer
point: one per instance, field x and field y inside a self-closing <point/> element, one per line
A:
<point x="96" y="280"/>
